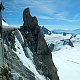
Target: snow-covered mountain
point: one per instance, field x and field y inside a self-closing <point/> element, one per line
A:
<point x="65" y="57"/>
<point x="26" y="54"/>
<point x="76" y="31"/>
<point x="59" y="31"/>
<point x="45" y="30"/>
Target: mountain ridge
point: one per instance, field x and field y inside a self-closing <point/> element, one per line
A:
<point x="26" y="54"/>
<point x="76" y="31"/>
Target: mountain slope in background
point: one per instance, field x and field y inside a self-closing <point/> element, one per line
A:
<point x="59" y="31"/>
<point x="76" y="31"/>
<point x="65" y="57"/>
<point x="45" y="30"/>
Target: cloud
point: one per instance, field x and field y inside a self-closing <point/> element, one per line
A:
<point x="59" y="17"/>
<point x="44" y="17"/>
<point x="54" y="11"/>
<point x="42" y="7"/>
<point x="53" y="27"/>
<point x="63" y="27"/>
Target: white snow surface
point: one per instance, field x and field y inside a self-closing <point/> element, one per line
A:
<point x="67" y="59"/>
<point x="29" y="53"/>
<point x="4" y="24"/>
<point x="21" y="36"/>
<point x="27" y="62"/>
<point x="54" y="38"/>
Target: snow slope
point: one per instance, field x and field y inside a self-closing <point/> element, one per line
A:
<point x="27" y="62"/>
<point x="67" y="59"/>
<point x="4" y="24"/>
<point x="54" y="38"/>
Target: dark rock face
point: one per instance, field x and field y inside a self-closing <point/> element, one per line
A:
<point x="14" y="68"/>
<point x="27" y="17"/>
<point x="41" y="54"/>
<point x="34" y="40"/>
<point x="64" y="34"/>
<point x="70" y="43"/>
<point x="51" y="46"/>
<point x="45" y="30"/>
<point x="9" y="39"/>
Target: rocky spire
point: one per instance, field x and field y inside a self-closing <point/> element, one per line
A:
<point x="41" y="54"/>
<point x="27" y="17"/>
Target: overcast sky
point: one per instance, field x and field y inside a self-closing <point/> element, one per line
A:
<point x="54" y="14"/>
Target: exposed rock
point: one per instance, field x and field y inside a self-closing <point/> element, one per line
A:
<point x="64" y="34"/>
<point x="70" y="43"/>
<point x="45" y="30"/>
<point x="34" y="46"/>
<point x="51" y="46"/>
<point x="13" y="65"/>
<point x="27" y="18"/>
<point x="42" y="55"/>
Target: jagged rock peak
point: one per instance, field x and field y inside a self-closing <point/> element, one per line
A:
<point x="34" y="21"/>
<point x="27" y="17"/>
<point x="30" y="23"/>
<point x="42" y="56"/>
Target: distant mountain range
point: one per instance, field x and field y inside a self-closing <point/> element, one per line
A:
<point x="76" y="31"/>
<point x="59" y="31"/>
<point x="45" y="30"/>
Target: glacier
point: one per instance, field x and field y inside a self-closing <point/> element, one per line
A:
<point x="67" y="58"/>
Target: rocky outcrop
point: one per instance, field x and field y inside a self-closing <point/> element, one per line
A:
<point x="28" y="42"/>
<point x="42" y="55"/>
<point x="68" y="42"/>
<point x="45" y="30"/>
<point x="51" y="46"/>
<point x="15" y="70"/>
